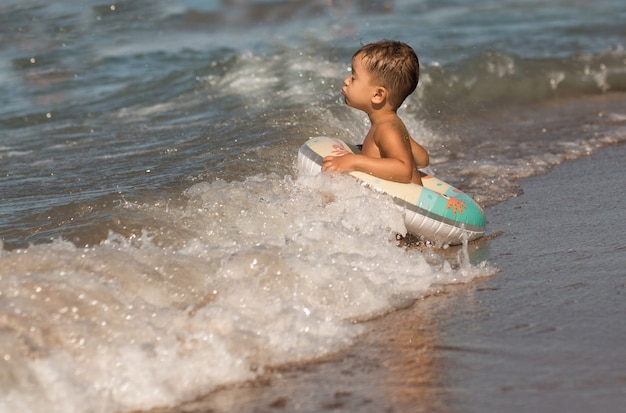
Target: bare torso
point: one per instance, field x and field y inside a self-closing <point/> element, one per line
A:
<point x="372" y="149"/>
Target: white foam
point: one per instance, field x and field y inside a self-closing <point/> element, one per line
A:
<point x="243" y="276"/>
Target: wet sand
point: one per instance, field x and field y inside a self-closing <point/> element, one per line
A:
<point x="545" y="334"/>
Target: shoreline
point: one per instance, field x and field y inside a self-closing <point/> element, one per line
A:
<point x="436" y="355"/>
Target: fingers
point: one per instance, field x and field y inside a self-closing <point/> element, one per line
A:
<point x="336" y="163"/>
<point x="331" y="164"/>
<point x="327" y="163"/>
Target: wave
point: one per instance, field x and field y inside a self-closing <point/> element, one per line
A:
<point x="214" y="290"/>
<point x="494" y="78"/>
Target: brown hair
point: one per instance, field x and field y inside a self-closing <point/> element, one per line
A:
<point x="395" y="65"/>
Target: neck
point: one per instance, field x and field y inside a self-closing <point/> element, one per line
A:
<point x="377" y="116"/>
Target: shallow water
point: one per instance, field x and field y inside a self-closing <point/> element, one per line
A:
<point x="543" y="335"/>
<point x="152" y="218"/>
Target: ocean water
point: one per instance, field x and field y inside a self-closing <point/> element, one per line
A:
<point x="157" y="240"/>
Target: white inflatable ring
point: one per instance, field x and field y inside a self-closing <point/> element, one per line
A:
<point x="437" y="211"/>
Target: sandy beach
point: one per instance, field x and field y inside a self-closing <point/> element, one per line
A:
<point x="545" y="334"/>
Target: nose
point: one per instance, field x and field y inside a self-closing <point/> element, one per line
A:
<point x="346" y="81"/>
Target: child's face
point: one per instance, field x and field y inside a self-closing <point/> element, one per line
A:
<point x="358" y="88"/>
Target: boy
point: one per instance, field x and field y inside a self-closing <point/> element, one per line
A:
<point x="384" y="73"/>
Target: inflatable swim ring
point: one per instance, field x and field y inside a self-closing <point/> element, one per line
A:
<point x="437" y="211"/>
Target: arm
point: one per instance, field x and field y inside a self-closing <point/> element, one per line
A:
<point x="394" y="163"/>
<point x="385" y="168"/>
<point x="420" y="156"/>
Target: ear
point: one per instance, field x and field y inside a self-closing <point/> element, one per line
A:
<point x="380" y="95"/>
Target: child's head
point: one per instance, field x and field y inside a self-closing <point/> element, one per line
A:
<point x="392" y="64"/>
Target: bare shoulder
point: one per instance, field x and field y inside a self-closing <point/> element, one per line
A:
<point x="391" y="130"/>
<point x="391" y="139"/>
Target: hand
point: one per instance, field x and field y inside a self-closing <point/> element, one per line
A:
<point x="341" y="163"/>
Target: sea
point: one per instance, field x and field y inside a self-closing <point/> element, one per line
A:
<point x="157" y="241"/>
